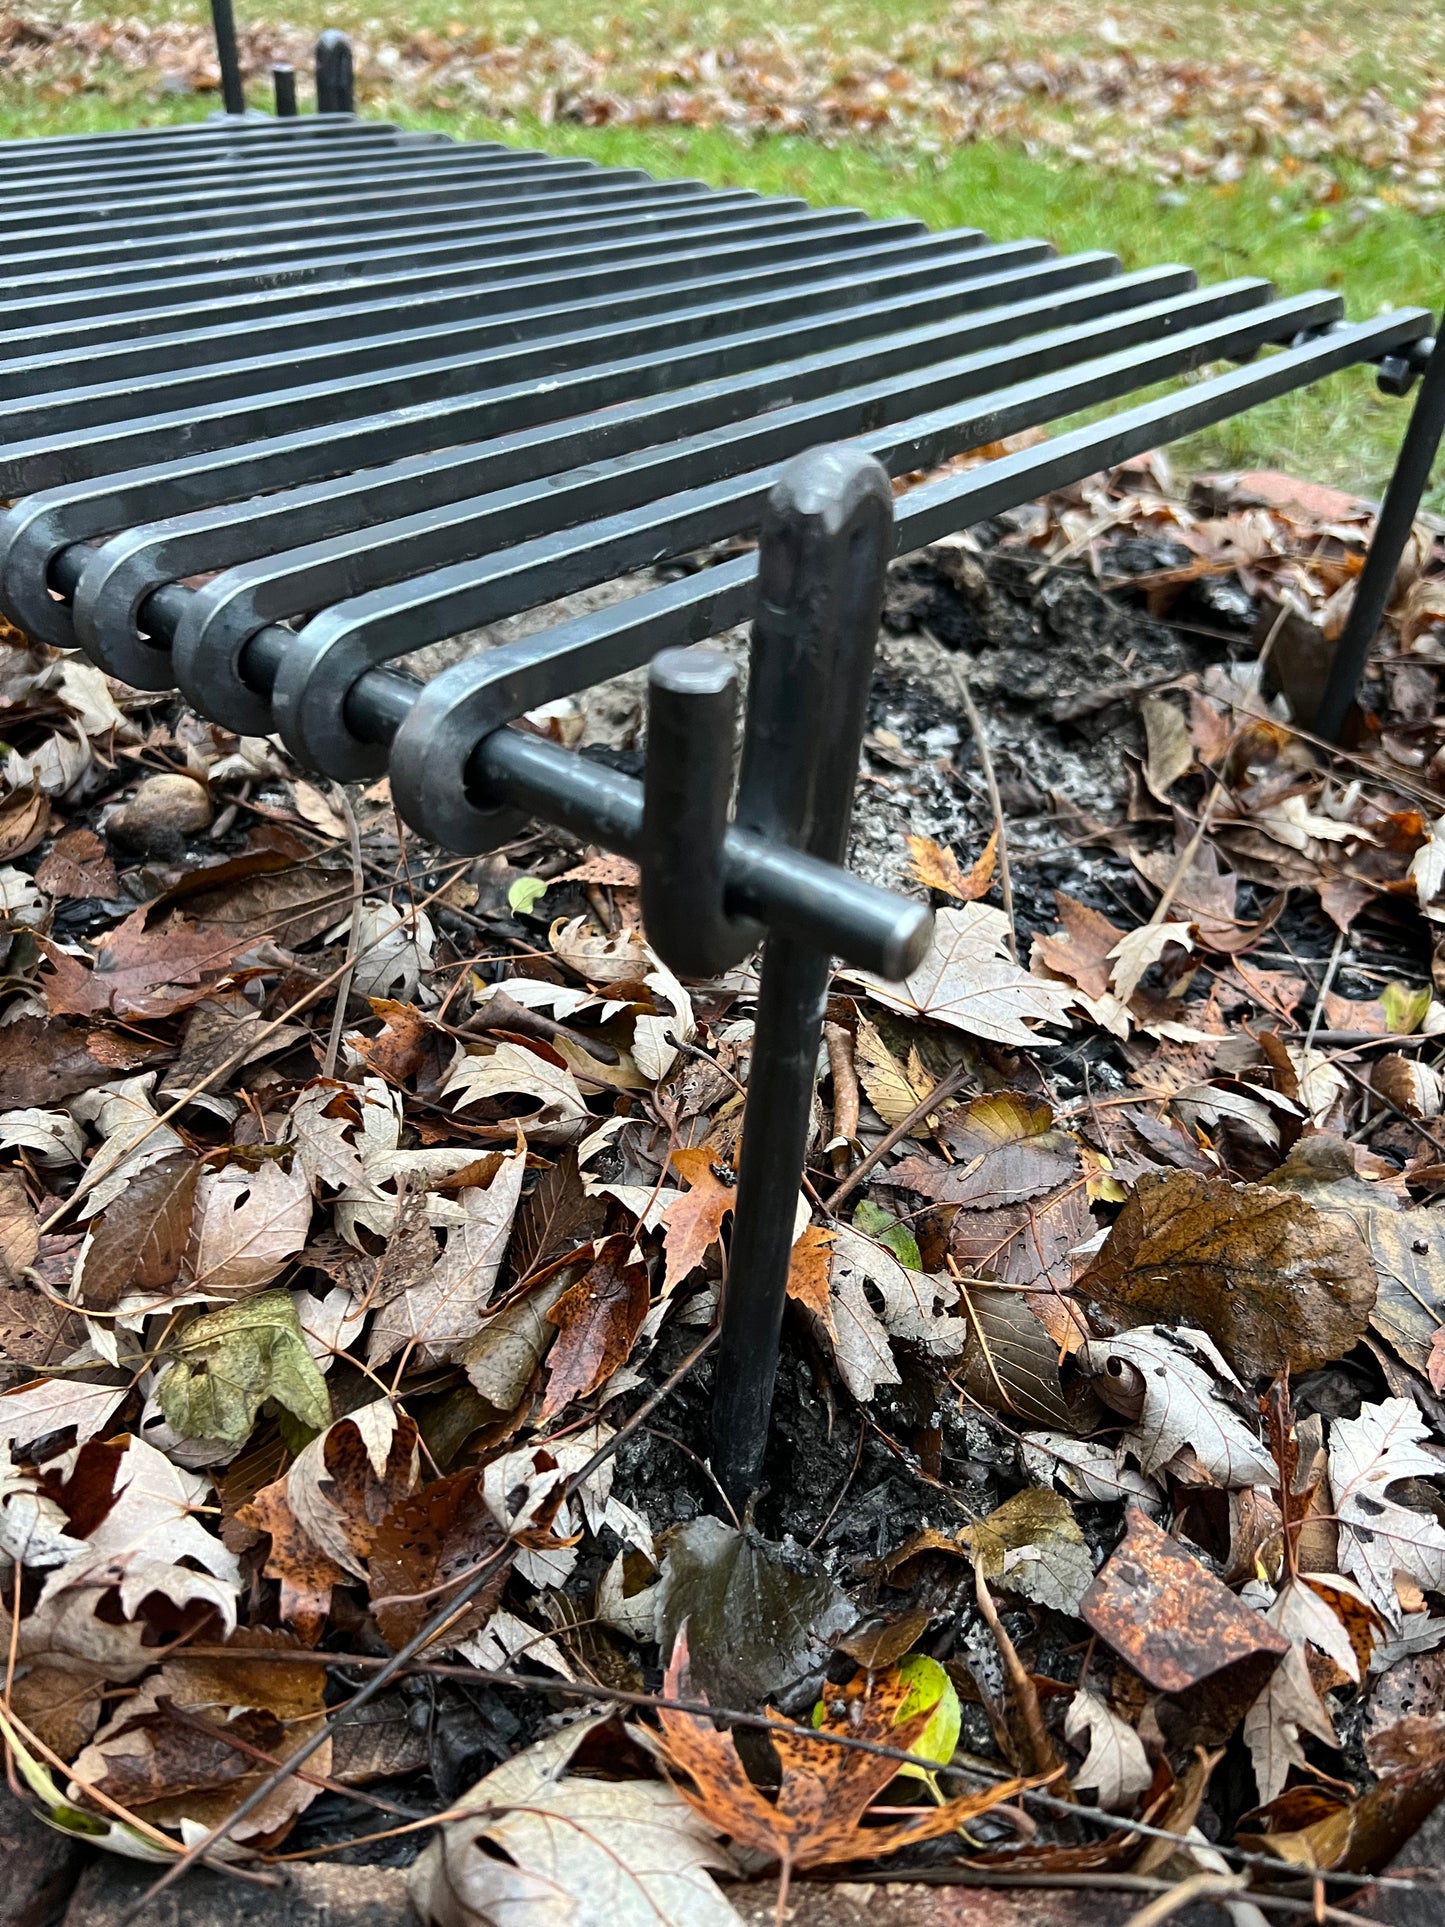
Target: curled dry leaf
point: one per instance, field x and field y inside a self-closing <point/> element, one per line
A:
<point x="911" y="1302"/>
<point x="227" y="1363"/>
<point x="1116" y="1769"/>
<point x="511" y="1072"/>
<point x="1275" y="1284"/>
<point x="1182" y="1424"/>
<point x="443" y="1309"/>
<point x="1138" y="949"/>
<point x="938" y="868"/>
<point x="968" y="980"/>
<point x="566" y="1850"/>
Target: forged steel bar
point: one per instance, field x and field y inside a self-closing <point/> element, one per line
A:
<point x="283" y="82"/>
<point x="223" y="22"/>
<point x="335" y="81"/>
<point x="823" y="556"/>
<point x="1418" y="449"/>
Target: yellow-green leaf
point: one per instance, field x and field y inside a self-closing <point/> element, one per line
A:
<point x="229" y="1362"/>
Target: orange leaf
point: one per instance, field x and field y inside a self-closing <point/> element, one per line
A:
<point x="694" y="1218"/>
<point x="939" y="868"/>
<point x="398" y="1052"/>
<point x="808" y="1272"/>
<point x="305" y="1572"/>
<point x="1080" y="952"/>
<point x="597" y="1320"/>
<point x="825" y="1789"/>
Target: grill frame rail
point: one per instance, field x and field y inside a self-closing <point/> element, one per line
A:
<point x="383" y="388"/>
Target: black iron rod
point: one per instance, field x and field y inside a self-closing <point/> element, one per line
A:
<point x="1418" y="449"/>
<point x="223" y="20"/>
<point x="826" y="539"/>
<point x="335" y="79"/>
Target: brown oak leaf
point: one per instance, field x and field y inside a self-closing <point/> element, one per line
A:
<point x="597" y="1320"/>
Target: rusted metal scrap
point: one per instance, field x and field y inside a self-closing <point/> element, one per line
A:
<point x="1183" y="1631"/>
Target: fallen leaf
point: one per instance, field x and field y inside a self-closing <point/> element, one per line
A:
<point x="1010" y="1363"/>
<point x="137" y="1243"/>
<point x="1024" y="1244"/>
<point x="825" y="1790"/>
<point x="910" y="1312"/>
<point x="510" y="1072"/>
<point x="1138" y="949"/>
<point x="44" y="1062"/>
<point x="760" y="1615"/>
<point x="502" y="1357"/>
<point x="693" y="1219"/>
<point x="1086" y="1468"/>
<point x="399" y="1052"/>
<point x="66" y="1657"/>
<point x="1317" y="1830"/>
<point x="24" y="822"/>
<point x="31" y="1412"/>
<point x="891" y="1087"/>
<point x="968" y="980"/>
<point x="443" y="1309"/>
<point x="1117" y="1767"/>
<point x="320" y="1124"/>
<point x="1378" y="1536"/>
<point x="1182" y="1630"/>
<point x="1412" y="1086"/>
<point x="554" y="1218"/>
<point x="597" y="1319"/>
<point x="1082" y="953"/>
<point x="247" y="1226"/>
<point x="1274" y="1283"/>
<point x="1290" y="1704"/>
<point x="565" y="1850"/>
<point x="227" y="1363"/>
<point x="429" y="1541"/>
<point x="1181" y="1424"/>
<point x="305" y="1574"/>
<point x="1004" y="1150"/>
<point x="78" y="866"/>
<point x="145" y="1509"/>
<point x="138" y="972"/>
<point x="393" y="952"/>
<point x="1170" y="750"/>
<point x="938" y="869"/>
<point x="1032" y="1544"/>
<point x="809" y="1270"/>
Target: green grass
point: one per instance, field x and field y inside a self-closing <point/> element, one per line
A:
<point x="1342" y="432"/>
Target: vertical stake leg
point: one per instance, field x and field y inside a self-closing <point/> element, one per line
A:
<point x="283" y="80"/>
<point x="335" y="81"/>
<point x="826" y="540"/>
<point x="1418" y="449"/>
<point x="223" y="22"/>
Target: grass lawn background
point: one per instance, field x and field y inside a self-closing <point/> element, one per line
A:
<point x="1256" y="86"/>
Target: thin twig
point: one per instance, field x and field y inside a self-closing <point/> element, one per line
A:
<point x="353" y="938"/>
<point x="1207" y="1884"/>
<point x="846" y="1099"/>
<point x="941" y="1092"/>
<point x="389" y="1669"/>
<point x="1325" y="982"/>
<point x="995" y="801"/>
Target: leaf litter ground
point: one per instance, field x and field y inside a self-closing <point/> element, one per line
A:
<point x="1103" y="1493"/>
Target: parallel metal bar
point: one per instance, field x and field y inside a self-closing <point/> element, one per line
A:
<point x="302" y="268"/>
<point x="375" y="326"/>
<point x="31" y="151"/>
<point x="213" y="150"/>
<point x="360" y="215"/>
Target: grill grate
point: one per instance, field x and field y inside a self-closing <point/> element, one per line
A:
<point x="382" y="388"/>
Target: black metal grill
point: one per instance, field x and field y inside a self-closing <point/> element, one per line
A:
<point x="384" y="388"/>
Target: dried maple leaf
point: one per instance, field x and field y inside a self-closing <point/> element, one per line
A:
<point x="693" y="1220"/>
<point x="597" y="1320"/>
<point x="808" y="1269"/>
<point x="1082" y="953"/>
<point x="399" y="1052"/>
<point x="909" y="1299"/>
<point x="247" y="1226"/>
<point x="1378" y="1535"/>
<point x="137" y="1243"/>
<point x="444" y="1308"/>
<point x="939" y="869"/>
<point x="78" y="866"/>
<point x="46" y="1062"/>
<point x="825" y="1788"/>
<point x="304" y="1572"/>
<point x="139" y="972"/>
<point x="1004" y="1150"/>
<point x="968" y="980"/>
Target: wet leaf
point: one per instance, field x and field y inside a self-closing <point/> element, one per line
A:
<point x="597" y="1320"/>
<point x="510" y="1072"/>
<point x="1274" y="1283"/>
<point x="229" y="1362"/>
<point x="910" y="1299"/>
<point x="809" y="1269"/>
<point x="78" y="866"/>
<point x="968" y="980"/>
<point x="500" y="1360"/>
<point x="138" y="1241"/>
<point x="927" y="1689"/>
<point x="1182" y="1630"/>
<point x="759" y="1616"/>
<point x="1024" y="1244"/>
<point x="892" y="1089"/>
<point x="45" y="1062"/>
<point x="431" y="1540"/>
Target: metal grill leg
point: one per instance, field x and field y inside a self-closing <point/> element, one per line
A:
<point x="335" y="83"/>
<point x="1397" y="513"/>
<point x="223" y="21"/>
<point x="283" y="80"/>
<point x="825" y="546"/>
